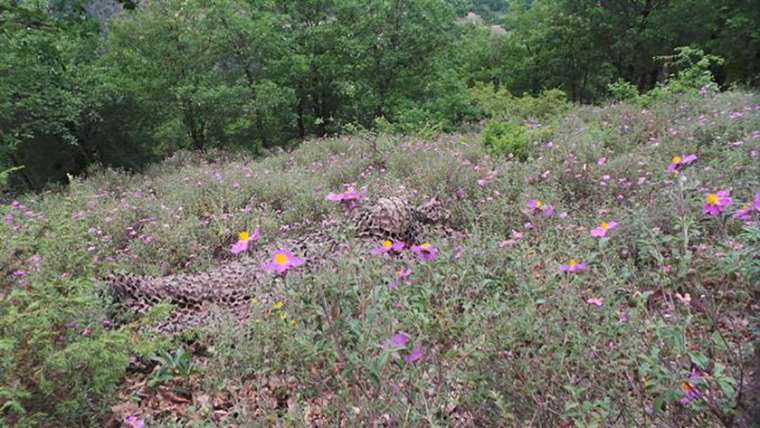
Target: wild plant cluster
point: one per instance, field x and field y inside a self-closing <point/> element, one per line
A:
<point x="609" y="279"/>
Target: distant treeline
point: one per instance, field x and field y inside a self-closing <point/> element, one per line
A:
<point x="126" y="83"/>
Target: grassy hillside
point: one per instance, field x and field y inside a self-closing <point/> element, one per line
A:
<point x="504" y="327"/>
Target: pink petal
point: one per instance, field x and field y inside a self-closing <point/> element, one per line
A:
<point x="507" y="243"/>
<point x="597" y="301"/>
<point x="399" y="340"/>
<point x="239" y="247"/>
<point x="415" y="355"/>
<point x="295" y="262"/>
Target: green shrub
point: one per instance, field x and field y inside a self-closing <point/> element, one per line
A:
<point x="622" y="90"/>
<point x="59" y="364"/>
<point x="502" y="105"/>
<point x="498" y="323"/>
<point x="692" y="75"/>
<point x="503" y="138"/>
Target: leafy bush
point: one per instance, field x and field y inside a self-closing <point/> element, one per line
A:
<point x="692" y="75"/>
<point x="622" y="90"/>
<point x="501" y="104"/>
<point x="503" y="138"/>
<point x="505" y="334"/>
<point x="59" y="363"/>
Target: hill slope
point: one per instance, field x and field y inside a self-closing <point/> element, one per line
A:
<point x="525" y="315"/>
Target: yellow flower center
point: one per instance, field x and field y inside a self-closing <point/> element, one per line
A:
<point x="243" y="236"/>
<point x="604" y="226"/>
<point x="572" y="263"/>
<point x="280" y="258"/>
<point x="538" y="203"/>
<point x="712" y="199"/>
<point x="387" y="244"/>
<point x="278" y="305"/>
<point x="425" y="246"/>
<point x="676" y="159"/>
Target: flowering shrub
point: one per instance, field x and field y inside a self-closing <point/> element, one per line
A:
<point x="516" y="315"/>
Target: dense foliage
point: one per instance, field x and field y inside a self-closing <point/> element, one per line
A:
<point x="124" y="83"/>
<point x="656" y="329"/>
<point x="602" y="267"/>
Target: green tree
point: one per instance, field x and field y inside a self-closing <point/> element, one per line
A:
<point x="43" y="91"/>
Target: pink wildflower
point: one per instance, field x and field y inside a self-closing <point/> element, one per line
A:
<point x="690" y="392"/>
<point x="537" y="205"/>
<point x="458" y="252"/>
<point x="400" y="275"/>
<point x="485" y="181"/>
<point x="744" y="213"/>
<point x="425" y="252"/>
<point x="679" y="161"/>
<point x="534" y="204"/>
<point x="507" y="243"/>
<point x="387" y="246"/>
<point x="134" y="422"/>
<point x="596" y="301"/>
<point x="572" y="266"/>
<point x="282" y="261"/>
<point x="684" y="299"/>
<point x="415" y="355"/>
<point x="348" y="198"/>
<point x="715" y="202"/>
<point x="399" y="340"/>
<point x="243" y="239"/>
<point x="601" y="230"/>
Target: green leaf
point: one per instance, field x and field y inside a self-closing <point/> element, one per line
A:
<point x="699" y="359"/>
<point x="718" y="341"/>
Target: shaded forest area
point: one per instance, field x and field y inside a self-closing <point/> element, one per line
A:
<point x="123" y="84"/>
